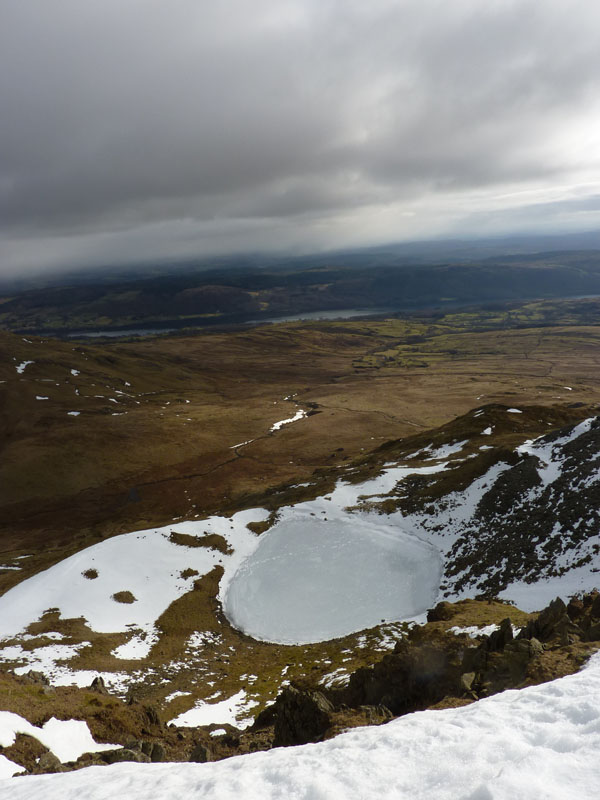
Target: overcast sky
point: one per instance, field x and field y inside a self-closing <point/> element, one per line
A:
<point x="134" y="129"/>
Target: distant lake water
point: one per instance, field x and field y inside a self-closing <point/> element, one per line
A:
<point x="118" y="334"/>
<point x="342" y="313"/>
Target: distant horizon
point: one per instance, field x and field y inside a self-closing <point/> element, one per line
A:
<point x="425" y="251"/>
<point x="141" y="131"/>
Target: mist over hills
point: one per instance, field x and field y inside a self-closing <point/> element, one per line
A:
<point x="253" y="289"/>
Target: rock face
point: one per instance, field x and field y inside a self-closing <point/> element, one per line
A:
<point x="506" y="514"/>
<point x="300" y="716"/>
<point x="540" y="517"/>
<point x="413" y="677"/>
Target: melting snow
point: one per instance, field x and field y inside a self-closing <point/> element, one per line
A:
<point x="234" y="710"/>
<point x="277" y="425"/>
<point x="21" y="367"/>
<point x="67" y="739"/>
<point x="513" y="411"/>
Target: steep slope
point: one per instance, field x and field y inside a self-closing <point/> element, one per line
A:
<point x="509" y="520"/>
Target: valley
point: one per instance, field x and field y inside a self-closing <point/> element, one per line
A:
<point x="141" y="478"/>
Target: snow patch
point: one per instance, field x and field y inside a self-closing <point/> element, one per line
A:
<point x="234" y="711"/>
<point x="277" y="425"/>
<point x="22" y="366"/>
<point x="67" y="739"/>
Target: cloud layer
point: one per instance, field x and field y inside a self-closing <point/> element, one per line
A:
<point x="140" y="128"/>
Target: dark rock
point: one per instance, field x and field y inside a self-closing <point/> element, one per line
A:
<point x="37" y="677"/>
<point x="147" y="748"/>
<point x="551" y="623"/>
<point x="417" y="674"/>
<point x="98" y="685"/>
<point x="442" y="612"/>
<point x="49" y="763"/>
<point x="124" y="754"/>
<point x="158" y="753"/>
<point x="593" y="633"/>
<point x="200" y="754"/>
<point x="575" y="608"/>
<point x="497" y="640"/>
<point x="152" y="715"/>
<point x="301" y="716"/>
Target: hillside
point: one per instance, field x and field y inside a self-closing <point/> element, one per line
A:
<point x="209" y="524"/>
<point x="204" y="298"/>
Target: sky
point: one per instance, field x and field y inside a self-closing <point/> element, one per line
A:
<point x="147" y="129"/>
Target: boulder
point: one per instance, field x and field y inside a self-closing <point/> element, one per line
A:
<point x="301" y="716"/>
<point x="124" y="754"/>
<point x="200" y="754"/>
<point x="441" y="613"/>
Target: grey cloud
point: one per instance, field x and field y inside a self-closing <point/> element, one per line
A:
<point x="254" y="121"/>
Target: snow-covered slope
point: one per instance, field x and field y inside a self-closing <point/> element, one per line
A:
<point x="522" y="523"/>
<point x="539" y="743"/>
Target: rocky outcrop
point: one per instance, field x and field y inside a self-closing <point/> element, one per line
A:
<point x="300" y="716"/>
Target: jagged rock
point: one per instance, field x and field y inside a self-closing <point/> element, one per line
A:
<point x="552" y="623"/>
<point x="200" y="754"/>
<point x="575" y="608"/>
<point x="124" y="754"/>
<point x="497" y="640"/>
<point x="98" y="685"/>
<point x="416" y="675"/>
<point x="593" y="633"/>
<point x="301" y="716"/>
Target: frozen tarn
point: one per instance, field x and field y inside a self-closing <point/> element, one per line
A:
<point x="75" y="372"/>
<point x="538" y="742"/>
<point x="310" y="580"/>
<point x="21" y="367"/>
<point x="67" y="739"/>
<point x="277" y="425"/>
<point x="487" y="432"/>
<point x="234" y="711"/>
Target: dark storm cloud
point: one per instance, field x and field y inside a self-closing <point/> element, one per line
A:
<point x="135" y="126"/>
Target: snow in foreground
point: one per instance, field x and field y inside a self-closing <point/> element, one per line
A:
<point x="540" y="742"/>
